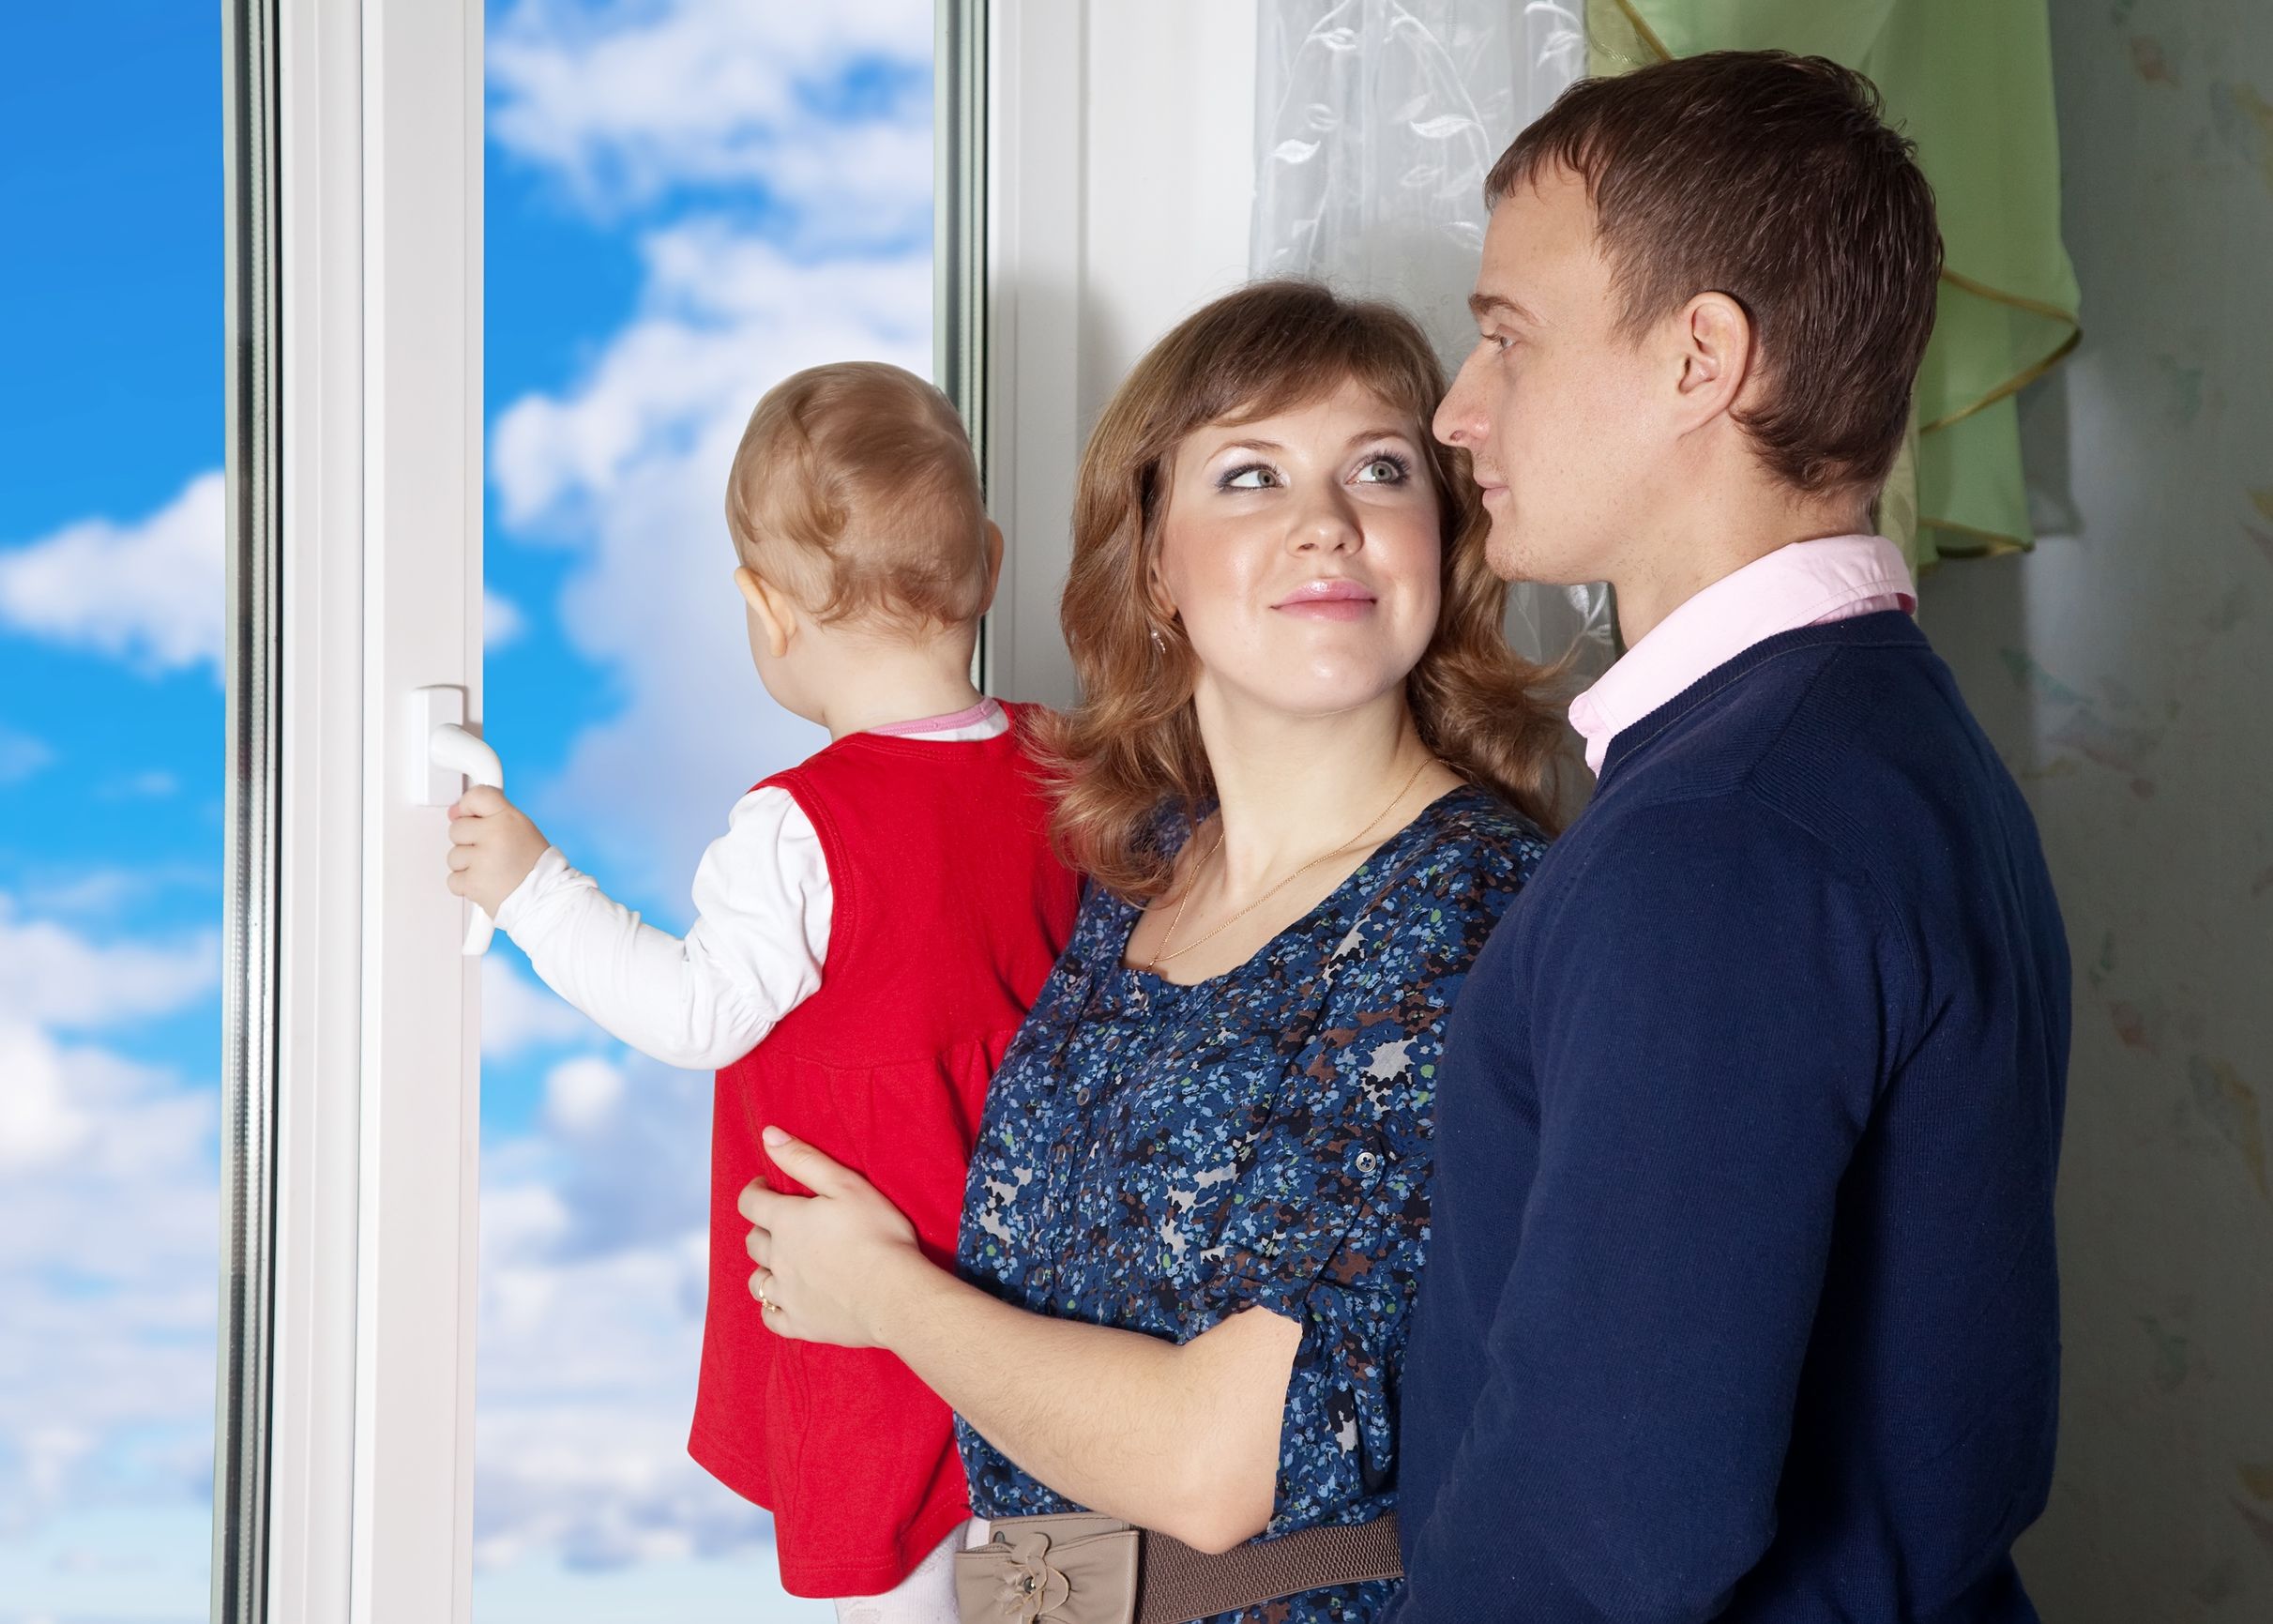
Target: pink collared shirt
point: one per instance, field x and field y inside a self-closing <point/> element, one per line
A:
<point x="1805" y="584"/>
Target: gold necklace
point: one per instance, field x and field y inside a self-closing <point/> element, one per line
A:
<point x="1349" y="845"/>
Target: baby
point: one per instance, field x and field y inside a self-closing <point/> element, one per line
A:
<point x="868" y="932"/>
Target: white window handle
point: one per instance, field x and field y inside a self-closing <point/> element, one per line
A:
<point x="444" y="751"/>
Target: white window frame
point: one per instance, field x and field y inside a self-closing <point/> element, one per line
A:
<point x="344" y="1487"/>
<point x="344" y="1463"/>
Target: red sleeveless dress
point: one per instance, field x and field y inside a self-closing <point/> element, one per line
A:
<point x="950" y="909"/>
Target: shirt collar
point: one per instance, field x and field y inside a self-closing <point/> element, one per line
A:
<point x="1804" y="584"/>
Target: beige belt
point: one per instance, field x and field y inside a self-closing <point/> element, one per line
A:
<point x="1083" y="1567"/>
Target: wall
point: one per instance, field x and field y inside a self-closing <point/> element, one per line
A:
<point x="2124" y="670"/>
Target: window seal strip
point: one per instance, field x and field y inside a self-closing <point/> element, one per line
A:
<point x="253" y="653"/>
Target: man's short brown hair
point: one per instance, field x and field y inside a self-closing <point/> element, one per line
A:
<point x="854" y="490"/>
<point x="1774" y="179"/>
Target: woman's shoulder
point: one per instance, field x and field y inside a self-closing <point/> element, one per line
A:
<point x="1476" y="833"/>
<point x="1463" y="862"/>
<point x="1164" y="830"/>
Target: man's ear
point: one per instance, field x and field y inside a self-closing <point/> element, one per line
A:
<point x="993" y="563"/>
<point x="775" y="610"/>
<point x="1715" y="346"/>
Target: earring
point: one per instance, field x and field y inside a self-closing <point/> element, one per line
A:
<point x="1160" y="643"/>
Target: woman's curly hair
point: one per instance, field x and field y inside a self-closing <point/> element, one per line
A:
<point x="1133" y="739"/>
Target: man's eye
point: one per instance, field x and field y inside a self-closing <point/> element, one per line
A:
<point x="1254" y="476"/>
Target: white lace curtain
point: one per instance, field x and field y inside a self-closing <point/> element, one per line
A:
<point x="1375" y="123"/>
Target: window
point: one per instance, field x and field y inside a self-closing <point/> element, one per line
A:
<point x="211" y="653"/>
<point x="649" y="272"/>
<point x="112" y="813"/>
<point x="685" y="204"/>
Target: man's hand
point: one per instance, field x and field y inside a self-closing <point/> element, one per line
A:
<point x="494" y="846"/>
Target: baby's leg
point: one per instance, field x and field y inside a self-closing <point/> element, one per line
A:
<point x="926" y="1596"/>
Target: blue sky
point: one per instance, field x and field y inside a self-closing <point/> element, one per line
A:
<point x="110" y="807"/>
<point x="686" y="198"/>
<point x="114" y="369"/>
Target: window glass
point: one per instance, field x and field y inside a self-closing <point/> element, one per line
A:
<point x="111" y="808"/>
<point x="686" y="201"/>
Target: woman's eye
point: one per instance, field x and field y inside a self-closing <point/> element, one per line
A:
<point x="1385" y="469"/>
<point x="1255" y="477"/>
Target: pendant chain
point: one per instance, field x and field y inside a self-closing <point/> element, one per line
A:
<point x="1349" y="845"/>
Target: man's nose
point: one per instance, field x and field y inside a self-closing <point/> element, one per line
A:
<point x="1458" y="420"/>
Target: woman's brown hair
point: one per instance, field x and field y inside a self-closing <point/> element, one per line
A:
<point x="1133" y="742"/>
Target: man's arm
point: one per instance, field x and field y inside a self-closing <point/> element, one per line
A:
<point x="1707" y="1036"/>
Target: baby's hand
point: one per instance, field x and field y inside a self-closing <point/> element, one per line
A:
<point x="494" y="846"/>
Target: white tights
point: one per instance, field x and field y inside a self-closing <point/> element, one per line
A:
<point x="926" y="1596"/>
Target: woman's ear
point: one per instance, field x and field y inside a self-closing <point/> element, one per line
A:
<point x="1157" y="590"/>
<point x="774" y="610"/>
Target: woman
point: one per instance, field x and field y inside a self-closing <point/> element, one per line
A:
<point x="1306" y="778"/>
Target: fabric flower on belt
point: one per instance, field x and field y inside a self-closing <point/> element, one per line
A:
<point x="1031" y="1587"/>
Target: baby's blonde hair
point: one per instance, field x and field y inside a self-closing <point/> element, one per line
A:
<point x="855" y="491"/>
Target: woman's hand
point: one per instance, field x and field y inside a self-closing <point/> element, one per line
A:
<point x="1180" y="1439"/>
<point x="494" y="846"/>
<point x="830" y="1263"/>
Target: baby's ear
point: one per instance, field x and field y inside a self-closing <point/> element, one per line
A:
<point x="746" y="582"/>
<point x="993" y="562"/>
<point x="774" y="609"/>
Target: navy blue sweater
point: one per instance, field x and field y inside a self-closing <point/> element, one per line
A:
<point x="1740" y="1299"/>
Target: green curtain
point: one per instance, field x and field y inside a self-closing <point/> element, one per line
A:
<point x="1971" y="84"/>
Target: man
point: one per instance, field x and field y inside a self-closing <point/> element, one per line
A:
<point x="1740" y="1301"/>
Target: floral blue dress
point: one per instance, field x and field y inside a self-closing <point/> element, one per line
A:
<point x="1157" y="1158"/>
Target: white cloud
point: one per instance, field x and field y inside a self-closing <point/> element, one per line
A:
<point x="109" y="1208"/>
<point x="520" y="1013"/>
<point x="38" y="1121"/>
<point x="593" y="1274"/>
<point x="725" y="315"/>
<point x="582" y="1095"/>
<point x="502" y="622"/>
<point x="51" y="975"/>
<point x="148" y="591"/>
<point x="629" y="464"/>
<point x="108" y="1216"/>
<point x="83" y="893"/>
<point x="823" y="110"/>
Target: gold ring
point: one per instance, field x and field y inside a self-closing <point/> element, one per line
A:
<point x="765" y="1302"/>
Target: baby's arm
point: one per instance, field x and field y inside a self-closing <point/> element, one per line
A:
<point x="762" y="902"/>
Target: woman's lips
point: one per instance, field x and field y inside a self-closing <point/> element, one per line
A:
<point x="1335" y="600"/>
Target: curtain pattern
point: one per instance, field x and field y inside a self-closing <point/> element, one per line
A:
<point x="1375" y="123"/>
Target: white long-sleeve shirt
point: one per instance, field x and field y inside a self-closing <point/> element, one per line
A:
<point x="762" y="901"/>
